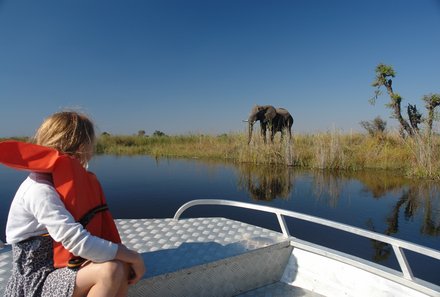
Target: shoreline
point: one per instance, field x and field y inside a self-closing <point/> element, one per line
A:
<point x="417" y="157"/>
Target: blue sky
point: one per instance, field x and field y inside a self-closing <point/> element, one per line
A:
<point x="199" y="66"/>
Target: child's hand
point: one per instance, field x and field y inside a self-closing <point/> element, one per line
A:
<point x="135" y="260"/>
<point x="137" y="270"/>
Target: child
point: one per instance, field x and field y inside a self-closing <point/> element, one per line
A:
<point x="44" y="212"/>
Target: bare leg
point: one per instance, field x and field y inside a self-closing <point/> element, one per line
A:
<point x="109" y="279"/>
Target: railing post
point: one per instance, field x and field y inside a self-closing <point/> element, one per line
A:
<point x="283" y="225"/>
<point x="403" y="262"/>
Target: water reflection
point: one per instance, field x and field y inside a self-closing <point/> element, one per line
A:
<point x="380" y="183"/>
<point x="426" y="196"/>
<point x="423" y="197"/>
<point x="327" y="187"/>
<point x="416" y="196"/>
<point x="266" y="183"/>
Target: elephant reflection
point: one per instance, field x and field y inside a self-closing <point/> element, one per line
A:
<point x="274" y="119"/>
<point x="266" y="183"/>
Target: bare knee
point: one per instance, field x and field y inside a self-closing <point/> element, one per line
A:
<point x="114" y="271"/>
<point x="102" y="279"/>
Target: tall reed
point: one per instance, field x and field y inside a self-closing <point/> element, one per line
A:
<point x="281" y="151"/>
<point x="418" y="156"/>
<point x="425" y="155"/>
<point x="329" y="153"/>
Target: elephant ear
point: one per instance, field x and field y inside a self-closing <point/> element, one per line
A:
<point x="270" y="113"/>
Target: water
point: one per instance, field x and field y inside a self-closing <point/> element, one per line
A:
<point x="143" y="187"/>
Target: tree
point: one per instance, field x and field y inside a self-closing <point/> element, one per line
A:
<point x="141" y="133"/>
<point x="375" y="127"/>
<point x="431" y="102"/>
<point x="415" y="117"/>
<point x="158" y="133"/>
<point x="384" y="73"/>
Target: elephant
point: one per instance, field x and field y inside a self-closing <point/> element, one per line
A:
<point x="263" y="113"/>
<point x="283" y="120"/>
<point x="274" y="119"/>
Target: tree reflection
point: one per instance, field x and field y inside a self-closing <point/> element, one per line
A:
<point x="266" y="182"/>
<point x="417" y="196"/>
<point x="416" y="199"/>
<point x="427" y="197"/>
<point x="414" y="196"/>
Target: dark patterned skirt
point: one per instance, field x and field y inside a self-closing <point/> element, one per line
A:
<point x="33" y="274"/>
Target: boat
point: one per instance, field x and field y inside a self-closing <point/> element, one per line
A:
<point x="217" y="256"/>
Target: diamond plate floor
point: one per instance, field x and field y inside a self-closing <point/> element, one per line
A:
<point x="169" y="245"/>
<point x="5" y="266"/>
<point x="204" y="256"/>
<point x="196" y="257"/>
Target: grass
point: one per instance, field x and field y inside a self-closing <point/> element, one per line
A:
<point x="189" y="146"/>
<point x="414" y="157"/>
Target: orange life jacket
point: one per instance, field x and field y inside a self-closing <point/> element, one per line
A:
<point x="79" y="189"/>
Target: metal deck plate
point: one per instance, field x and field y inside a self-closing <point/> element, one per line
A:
<point x="201" y="257"/>
<point x="5" y="266"/>
<point x="168" y="245"/>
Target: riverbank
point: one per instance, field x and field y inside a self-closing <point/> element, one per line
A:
<point x="415" y="157"/>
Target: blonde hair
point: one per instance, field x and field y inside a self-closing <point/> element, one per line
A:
<point x="69" y="132"/>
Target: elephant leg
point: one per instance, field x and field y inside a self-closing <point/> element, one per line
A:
<point x="263" y="132"/>
<point x="289" y="130"/>
<point x="250" y="130"/>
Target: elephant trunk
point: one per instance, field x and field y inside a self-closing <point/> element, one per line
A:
<point x="250" y="128"/>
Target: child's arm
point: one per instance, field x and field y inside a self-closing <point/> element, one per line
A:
<point x="44" y="203"/>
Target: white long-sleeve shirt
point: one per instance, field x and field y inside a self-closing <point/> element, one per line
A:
<point x="37" y="209"/>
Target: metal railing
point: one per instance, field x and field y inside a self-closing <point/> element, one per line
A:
<point x="397" y="244"/>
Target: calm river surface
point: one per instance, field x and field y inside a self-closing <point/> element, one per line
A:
<point x="143" y="187"/>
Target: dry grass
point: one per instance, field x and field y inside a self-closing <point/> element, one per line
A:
<point x="189" y="146"/>
<point x="416" y="157"/>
